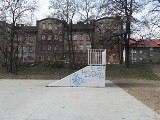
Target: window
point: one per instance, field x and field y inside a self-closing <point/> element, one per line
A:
<point x="101" y="26"/>
<point x="74" y="37"/>
<point x="108" y="26"/>
<point x="55" y="26"/>
<point x="150" y="49"/>
<point x="43" y="26"/>
<point x="140" y="51"/>
<point x="140" y="59"/>
<point x="49" y="37"/>
<point x="88" y="47"/>
<point x="114" y="26"/>
<point x="55" y="47"/>
<point x="81" y="47"/>
<point x="134" y="59"/>
<point x="42" y="47"/>
<point x="30" y="39"/>
<point x="43" y="37"/>
<point x="49" y="26"/>
<point x="133" y="51"/>
<point x="81" y="37"/>
<point x="74" y="47"/>
<point x="56" y="37"/>
<point x="41" y="58"/>
<point x="49" y="47"/>
<point x="87" y="37"/>
<point x="30" y="49"/>
<point x="24" y="49"/>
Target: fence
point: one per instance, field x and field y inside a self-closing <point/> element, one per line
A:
<point x="96" y="56"/>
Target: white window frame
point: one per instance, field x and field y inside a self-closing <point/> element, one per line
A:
<point x="140" y="51"/>
<point x="151" y="49"/>
<point x="81" y="47"/>
<point x="49" y="47"/>
<point x="74" y="37"/>
<point x="140" y="58"/>
<point x="49" y="26"/>
<point x="29" y="49"/>
<point x="133" y="51"/>
<point x="43" y="26"/>
<point x="88" y="46"/>
<point x="49" y="37"/>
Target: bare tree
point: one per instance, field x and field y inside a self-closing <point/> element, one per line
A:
<point x="126" y="9"/>
<point x="152" y="20"/>
<point x="89" y="10"/>
<point x="65" y="10"/>
<point x="14" y="11"/>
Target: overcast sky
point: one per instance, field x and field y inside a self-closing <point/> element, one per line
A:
<point x="43" y="9"/>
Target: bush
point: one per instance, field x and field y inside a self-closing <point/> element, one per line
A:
<point x="57" y="64"/>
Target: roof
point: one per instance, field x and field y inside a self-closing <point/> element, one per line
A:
<point x="82" y="27"/>
<point x="111" y="17"/>
<point x="145" y="43"/>
<point x="157" y="42"/>
<point x="51" y="19"/>
<point x="29" y="29"/>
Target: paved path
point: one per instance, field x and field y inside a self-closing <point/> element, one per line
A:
<point x="31" y="100"/>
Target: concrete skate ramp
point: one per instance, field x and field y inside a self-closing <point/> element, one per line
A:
<point x="90" y="76"/>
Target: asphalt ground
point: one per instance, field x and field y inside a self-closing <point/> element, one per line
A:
<point x="31" y="100"/>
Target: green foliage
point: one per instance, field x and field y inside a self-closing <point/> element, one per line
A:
<point x="42" y="70"/>
<point x="137" y="71"/>
<point x="2" y="71"/>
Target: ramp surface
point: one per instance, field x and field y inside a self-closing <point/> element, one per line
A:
<point x="90" y="76"/>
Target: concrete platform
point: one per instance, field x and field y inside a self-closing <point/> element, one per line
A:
<point x="31" y="100"/>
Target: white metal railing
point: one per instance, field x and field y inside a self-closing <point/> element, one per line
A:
<point x="96" y="56"/>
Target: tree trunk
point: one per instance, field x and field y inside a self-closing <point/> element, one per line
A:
<point x="71" y="42"/>
<point x="11" y="50"/>
<point x="127" y="38"/>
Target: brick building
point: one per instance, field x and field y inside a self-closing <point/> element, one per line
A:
<point x="47" y="41"/>
<point x="81" y="40"/>
<point x="27" y="49"/>
<point x="145" y="51"/>
<point x="50" y="39"/>
<point x="108" y="35"/>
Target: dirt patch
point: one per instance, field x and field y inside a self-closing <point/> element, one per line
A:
<point x="156" y="69"/>
<point x="146" y="91"/>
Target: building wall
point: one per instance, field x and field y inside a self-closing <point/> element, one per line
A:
<point x="28" y="50"/>
<point x="4" y="35"/>
<point x="144" y="55"/>
<point x="50" y="40"/>
<point x="108" y="35"/>
<point x="81" y="41"/>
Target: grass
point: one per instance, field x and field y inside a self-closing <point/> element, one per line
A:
<point x="136" y="71"/>
<point x="37" y="72"/>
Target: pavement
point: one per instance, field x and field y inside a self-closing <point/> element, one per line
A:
<point x="31" y="100"/>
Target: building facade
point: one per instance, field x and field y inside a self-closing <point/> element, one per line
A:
<point x="48" y="40"/>
<point x="145" y="51"/>
<point x="108" y="35"/>
<point x="27" y="48"/>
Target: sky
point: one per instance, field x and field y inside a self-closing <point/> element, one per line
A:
<point x="43" y="9"/>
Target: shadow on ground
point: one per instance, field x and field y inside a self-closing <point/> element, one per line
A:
<point x="131" y="85"/>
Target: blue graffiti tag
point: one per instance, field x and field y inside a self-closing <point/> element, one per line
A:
<point x="100" y="68"/>
<point x="77" y="80"/>
<point x="94" y="73"/>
